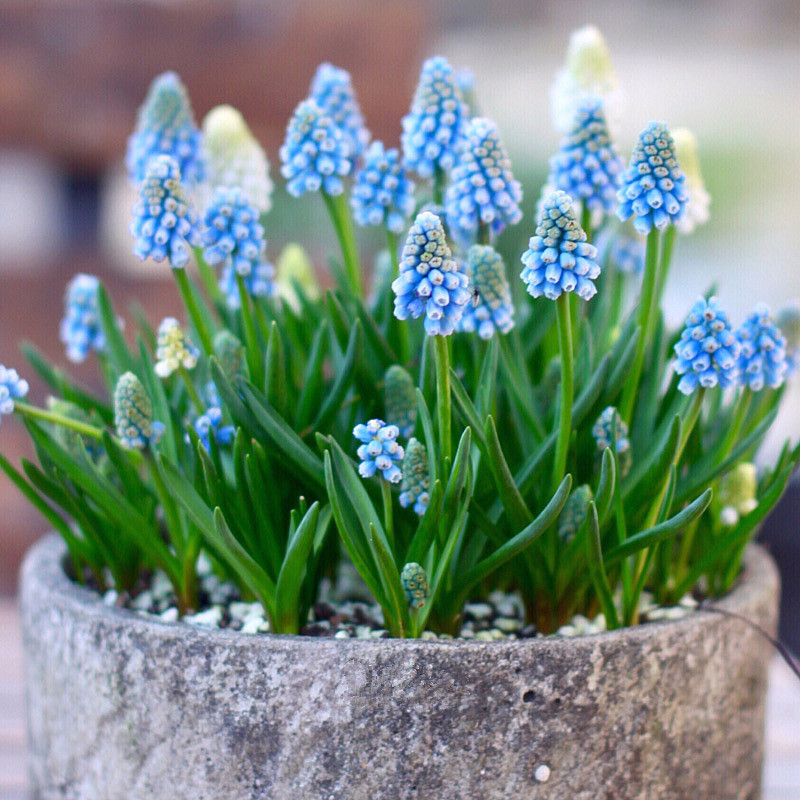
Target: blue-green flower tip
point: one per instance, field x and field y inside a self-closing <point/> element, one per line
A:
<point x="601" y="431"/>
<point x="80" y="327"/>
<point x="166" y="126"/>
<point x="707" y="352"/>
<point x="430" y="282"/>
<point x="491" y="308"/>
<point x="558" y="258"/>
<point x="653" y="190"/>
<point x="762" y="359"/>
<point x="133" y="414"/>
<point x="382" y="194"/>
<point x="415" y="584"/>
<point x="232" y="233"/>
<point x="332" y="90"/>
<point x="210" y="424"/>
<point x="259" y="283"/>
<point x="400" y="399"/>
<point x="379" y="451"/>
<point x="414" y="490"/>
<point x="12" y="387"/>
<point x="483" y="190"/>
<point x="315" y="154"/>
<point x="164" y="224"/>
<point x="434" y="128"/>
<point x="587" y="166"/>
<point x="575" y="512"/>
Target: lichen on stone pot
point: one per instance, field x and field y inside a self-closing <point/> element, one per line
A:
<point x="122" y="706"/>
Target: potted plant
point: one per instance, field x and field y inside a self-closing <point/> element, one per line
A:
<point x="534" y="459"/>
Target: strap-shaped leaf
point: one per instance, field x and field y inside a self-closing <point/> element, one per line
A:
<point x="231" y="399"/>
<point x="519" y="515"/>
<point x="313" y="377"/>
<point x="648" y="478"/>
<point x="275" y="370"/>
<point x="468" y="411"/>
<point x="426" y="529"/>
<point x="344" y="377"/>
<point x="606" y="484"/>
<point x="120" y="356"/>
<point x="597" y="570"/>
<point x="430" y="441"/>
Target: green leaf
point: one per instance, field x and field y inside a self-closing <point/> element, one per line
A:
<point x="426" y="529"/>
<point x="458" y="475"/>
<point x="519" y="515"/>
<point x="647" y="477"/>
<point x="597" y="569"/>
<point x="333" y="402"/>
<point x="242" y="417"/>
<point x="390" y="577"/>
<point x="312" y="377"/>
<point x="118" y="351"/>
<point x="604" y="495"/>
<point x="468" y="411"/>
<point x="275" y="371"/>
<point x="430" y="441"/>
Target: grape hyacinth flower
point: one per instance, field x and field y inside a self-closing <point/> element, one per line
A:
<point x="558" y="258"/>
<point x="80" y="327"/>
<point x="210" y="424"/>
<point x="174" y="349"/>
<point x="587" y="166"/>
<point x="483" y="190"/>
<point x="707" y="351"/>
<point x="259" y="283"/>
<point x="415" y="584"/>
<point x="414" y="490"/>
<point x="235" y="158"/>
<point x="575" y="512"/>
<point x="295" y="267"/>
<point x="400" y="399"/>
<point x="623" y="250"/>
<point x="133" y="414"/>
<point x="230" y="354"/>
<point x="315" y="154"/>
<point x="430" y="282"/>
<point x="737" y="493"/>
<point x="165" y="126"/>
<point x="588" y="73"/>
<point x="379" y="450"/>
<point x="465" y="80"/>
<point x="12" y="388"/>
<point x="332" y="90"/>
<point x="653" y="189"/>
<point x="788" y="320"/>
<point x="699" y="199"/>
<point x="491" y="308"/>
<point x="382" y="194"/>
<point x="434" y="128"/>
<point x="164" y="224"/>
<point x="762" y="359"/>
<point x="601" y="431"/>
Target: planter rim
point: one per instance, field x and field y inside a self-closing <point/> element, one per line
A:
<point x="42" y="574"/>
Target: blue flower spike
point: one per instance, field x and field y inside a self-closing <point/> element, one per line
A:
<point x="558" y="258"/>
<point x="166" y="126"/>
<point x="415" y="584"/>
<point x="379" y="451"/>
<point x="12" y="388"/>
<point x="400" y="399"/>
<point x="164" y="223"/>
<point x="788" y="320"/>
<point x="332" y="90"/>
<point x="434" y="128"/>
<point x="210" y="424"/>
<point x="762" y="360"/>
<point x="483" y="190"/>
<point x="174" y="349"/>
<point x="430" y="282"/>
<point x="80" y="327"/>
<point x="414" y="490"/>
<point x="707" y="352"/>
<point x="133" y="414"/>
<point x="491" y="308"/>
<point x="587" y="166"/>
<point x="653" y="188"/>
<point x="382" y="194"/>
<point x="259" y="283"/>
<point x="601" y="431"/>
<point x="622" y="249"/>
<point x="315" y="154"/>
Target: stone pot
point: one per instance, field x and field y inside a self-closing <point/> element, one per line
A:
<point x="125" y="707"/>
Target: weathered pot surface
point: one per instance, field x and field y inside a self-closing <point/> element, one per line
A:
<point x="122" y="706"/>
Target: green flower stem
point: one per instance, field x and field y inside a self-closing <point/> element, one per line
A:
<point x="343" y="224"/>
<point x="207" y="275"/>
<point x="567" y="389"/>
<point x="33" y="412"/>
<point x="443" y="400"/>
<point x="439" y="177"/>
<point x="690" y="420"/>
<point x="401" y="328"/>
<point x="193" y="310"/>
<point x="645" y="320"/>
<point x="388" y="518"/>
<point x="484" y="234"/>
<point x="740" y="409"/>
<point x="586" y="221"/>
<point x="191" y="390"/>
<point x="394" y="252"/>
<point x="666" y="259"/>
<point x="255" y="364"/>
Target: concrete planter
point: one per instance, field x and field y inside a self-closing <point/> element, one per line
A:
<point x="125" y="707"/>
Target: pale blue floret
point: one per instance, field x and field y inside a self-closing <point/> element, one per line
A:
<point x="379" y="451"/>
<point x="166" y="126"/>
<point x="483" y="190"/>
<point x="259" y="283"/>
<point x="80" y="327"/>
<point x="133" y="414"/>
<point x="587" y="166"/>
<point x="707" y="352"/>
<point x="430" y="282"/>
<point x="315" y="154"/>
<point x="434" y="128"/>
<point x="623" y="251"/>
<point x="164" y="225"/>
<point x="491" y="308"/>
<point x="232" y="233"/>
<point x="653" y="190"/>
<point x="415" y="488"/>
<point x="558" y="258"/>
<point x="12" y="388"/>
<point x="210" y="424"/>
<point x="332" y="90"/>
<point x="382" y="194"/>
<point x="762" y="360"/>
